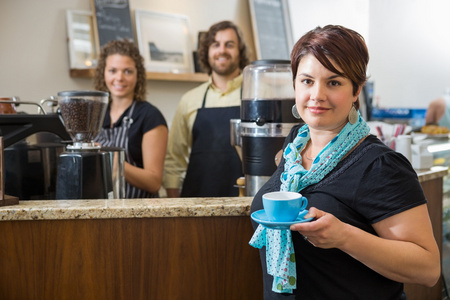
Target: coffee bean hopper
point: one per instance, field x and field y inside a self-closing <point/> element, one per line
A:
<point x="84" y="170"/>
<point x="266" y="119"/>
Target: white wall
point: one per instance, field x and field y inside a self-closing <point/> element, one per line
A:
<point x="34" y="61"/>
<point x="306" y="15"/>
<point x="409" y="47"/>
<point x="408" y="43"/>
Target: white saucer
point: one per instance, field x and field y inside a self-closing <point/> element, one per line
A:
<point x="260" y="217"/>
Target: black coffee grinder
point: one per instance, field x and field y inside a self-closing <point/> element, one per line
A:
<point x="84" y="171"/>
<point x="266" y="119"/>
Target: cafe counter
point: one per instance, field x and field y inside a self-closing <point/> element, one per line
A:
<point x="166" y="248"/>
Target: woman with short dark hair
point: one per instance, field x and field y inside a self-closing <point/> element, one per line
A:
<point x="370" y="231"/>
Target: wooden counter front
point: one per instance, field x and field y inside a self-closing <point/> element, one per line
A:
<point x="149" y="258"/>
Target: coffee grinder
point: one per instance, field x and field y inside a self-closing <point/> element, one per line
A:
<point x="266" y="119"/>
<point x="84" y="171"/>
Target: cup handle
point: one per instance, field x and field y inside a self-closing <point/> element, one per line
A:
<point x="304" y="203"/>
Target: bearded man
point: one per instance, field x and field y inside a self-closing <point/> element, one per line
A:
<point x="200" y="160"/>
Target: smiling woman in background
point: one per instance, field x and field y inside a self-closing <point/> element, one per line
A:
<point x="130" y="121"/>
<point x="371" y="231"/>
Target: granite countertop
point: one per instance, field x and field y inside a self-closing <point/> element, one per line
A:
<point x="126" y="208"/>
<point x="146" y="208"/>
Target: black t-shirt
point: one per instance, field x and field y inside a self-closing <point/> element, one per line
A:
<point x="145" y="117"/>
<point x="372" y="183"/>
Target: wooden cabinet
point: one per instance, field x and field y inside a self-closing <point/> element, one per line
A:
<point x="190" y="77"/>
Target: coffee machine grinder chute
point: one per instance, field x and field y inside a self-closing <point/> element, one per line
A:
<point x="266" y="119"/>
<point x="84" y="171"/>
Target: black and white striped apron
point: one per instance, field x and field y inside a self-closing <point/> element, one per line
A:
<point x="118" y="137"/>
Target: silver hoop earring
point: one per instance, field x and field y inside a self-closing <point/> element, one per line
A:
<point x="295" y="112"/>
<point x="353" y="115"/>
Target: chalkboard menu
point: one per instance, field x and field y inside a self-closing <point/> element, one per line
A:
<point x="271" y="28"/>
<point x="112" y="20"/>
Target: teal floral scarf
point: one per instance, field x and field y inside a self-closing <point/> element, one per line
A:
<point x="295" y="178"/>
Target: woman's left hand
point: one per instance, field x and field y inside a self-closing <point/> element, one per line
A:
<point x="325" y="231"/>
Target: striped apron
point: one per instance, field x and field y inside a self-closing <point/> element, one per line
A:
<point x="118" y="137"/>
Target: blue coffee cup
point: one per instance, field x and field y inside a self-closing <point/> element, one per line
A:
<point x="283" y="206"/>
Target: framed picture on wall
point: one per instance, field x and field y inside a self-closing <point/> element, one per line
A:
<point x="83" y="52"/>
<point x="164" y="41"/>
<point x="271" y="29"/>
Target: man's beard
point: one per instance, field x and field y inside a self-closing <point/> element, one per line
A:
<point x="233" y="65"/>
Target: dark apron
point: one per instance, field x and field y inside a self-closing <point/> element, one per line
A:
<point x="214" y="165"/>
<point x="118" y="137"/>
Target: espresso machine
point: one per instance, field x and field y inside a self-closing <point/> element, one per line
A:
<point x="32" y="145"/>
<point x="84" y="170"/>
<point x="266" y="119"/>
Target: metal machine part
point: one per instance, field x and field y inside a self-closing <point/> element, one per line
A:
<point x="17" y="127"/>
<point x="30" y="170"/>
<point x="84" y="175"/>
<point x="117" y="160"/>
<point x="260" y="144"/>
<point x="32" y="143"/>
